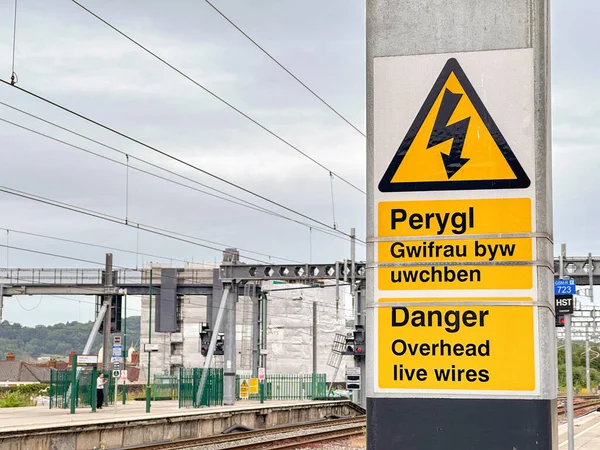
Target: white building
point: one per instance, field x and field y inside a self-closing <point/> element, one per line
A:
<point x="289" y="329"/>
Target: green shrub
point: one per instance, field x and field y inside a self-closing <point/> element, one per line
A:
<point x="30" y="389"/>
<point x="14" y="400"/>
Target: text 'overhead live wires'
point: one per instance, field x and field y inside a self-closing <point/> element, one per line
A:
<point x="260" y="125"/>
<point x="232" y="199"/>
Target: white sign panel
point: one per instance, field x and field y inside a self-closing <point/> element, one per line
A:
<point x="454" y="224"/>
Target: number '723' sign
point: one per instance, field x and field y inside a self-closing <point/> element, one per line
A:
<point x="564" y="287"/>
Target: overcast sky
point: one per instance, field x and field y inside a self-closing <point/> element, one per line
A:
<point x="66" y="55"/>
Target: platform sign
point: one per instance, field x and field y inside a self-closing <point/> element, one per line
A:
<point x="563" y="304"/>
<point x="454" y="202"/>
<point x="87" y="360"/>
<point x="254" y="385"/>
<point x="565" y="287"/>
<point x="456" y="347"/>
<point x="261" y="374"/>
<point x="244" y="389"/>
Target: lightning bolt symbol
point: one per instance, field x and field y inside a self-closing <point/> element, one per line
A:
<point x="443" y="132"/>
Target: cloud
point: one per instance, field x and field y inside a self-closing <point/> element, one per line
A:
<point x="66" y="55"/>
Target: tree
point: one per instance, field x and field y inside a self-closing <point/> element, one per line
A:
<point x="54" y="340"/>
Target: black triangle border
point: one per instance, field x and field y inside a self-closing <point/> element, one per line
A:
<point x="522" y="180"/>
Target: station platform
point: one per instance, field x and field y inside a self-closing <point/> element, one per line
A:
<point x="42" y="428"/>
<point x="587" y="433"/>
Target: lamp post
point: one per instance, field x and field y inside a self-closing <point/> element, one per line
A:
<point x="149" y="342"/>
<point x="124" y="292"/>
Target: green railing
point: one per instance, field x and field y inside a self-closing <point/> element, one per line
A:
<point x="85" y="389"/>
<point x="165" y="387"/>
<point x="60" y="380"/>
<point x="189" y="383"/>
<point x="283" y="386"/>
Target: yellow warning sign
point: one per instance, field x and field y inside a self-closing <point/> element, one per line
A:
<point x="472" y="258"/>
<point x="450" y="277"/>
<point x="454" y="217"/>
<point x="254" y="385"/>
<point x="456" y="250"/>
<point x="453" y="144"/>
<point x="244" y="389"/>
<point x="456" y="347"/>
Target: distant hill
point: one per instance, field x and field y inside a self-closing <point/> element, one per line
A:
<point x="58" y="339"/>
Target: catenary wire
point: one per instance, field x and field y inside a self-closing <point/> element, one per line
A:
<point x="236" y="200"/>
<point x="284" y="68"/>
<point x="89" y="244"/>
<point x="272" y="133"/>
<point x="168" y="155"/>
<point x="28" y="309"/>
<point x="13" y="75"/>
<point x="120" y="221"/>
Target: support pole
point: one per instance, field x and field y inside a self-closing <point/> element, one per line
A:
<point x="213" y="344"/>
<point x="587" y="363"/>
<point x="91" y="338"/>
<point x="255" y="333"/>
<point x="108" y="281"/>
<point x="568" y="361"/>
<point x="314" y="351"/>
<point x="425" y="62"/>
<point x="353" y="269"/>
<point x="230" y="354"/>
<point x="591" y="281"/>
<point x="148" y="386"/>
<point x="74" y="384"/>
<point x="1" y="300"/>
<point x="125" y="345"/>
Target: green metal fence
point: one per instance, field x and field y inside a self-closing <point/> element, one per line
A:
<point x="165" y="387"/>
<point x="60" y="380"/>
<point x="189" y="383"/>
<point x="285" y="386"/>
<point x="85" y="388"/>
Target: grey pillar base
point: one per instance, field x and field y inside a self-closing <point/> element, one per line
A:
<point x="460" y="424"/>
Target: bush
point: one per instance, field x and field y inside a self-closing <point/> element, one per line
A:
<point x="30" y="389"/>
<point x="14" y="400"/>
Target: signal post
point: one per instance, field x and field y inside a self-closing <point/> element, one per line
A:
<point x="460" y="282"/>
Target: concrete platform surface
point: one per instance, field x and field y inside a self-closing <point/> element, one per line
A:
<point x="587" y="433"/>
<point x="41" y="417"/>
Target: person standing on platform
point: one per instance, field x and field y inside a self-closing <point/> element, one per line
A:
<point x="100" y="382"/>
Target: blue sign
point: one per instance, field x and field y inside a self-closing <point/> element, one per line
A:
<point x="565" y="287"/>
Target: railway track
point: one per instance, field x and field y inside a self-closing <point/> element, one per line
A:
<point x="276" y="438"/>
<point x="581" y="407"/>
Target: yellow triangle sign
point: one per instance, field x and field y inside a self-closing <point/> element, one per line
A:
<point x="244" y="383"/>
<point x="453" y="144"/>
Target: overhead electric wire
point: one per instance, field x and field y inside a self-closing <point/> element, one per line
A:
<point x="13" y="75"/>
<point x="72" y="241"/>
<point x="236" y="200"/>
<point x="283" y="67"/>
<point x="121" y="221"/>
<point x="54" y="255"/>
<point x="272" y="133"/>
<point x="168" y="155"/>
